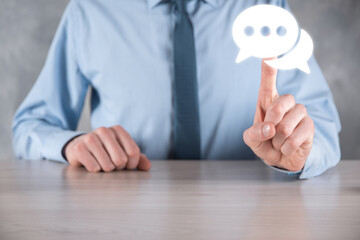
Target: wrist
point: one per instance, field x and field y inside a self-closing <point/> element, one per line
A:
<point x="63" y="150"/>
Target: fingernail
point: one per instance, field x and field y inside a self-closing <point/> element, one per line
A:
<point x="266" y="131"/>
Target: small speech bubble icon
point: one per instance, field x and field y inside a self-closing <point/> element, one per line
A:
<point x="297" y="57"/>
<point x="265" y="31"/>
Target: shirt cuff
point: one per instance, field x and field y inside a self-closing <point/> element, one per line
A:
<point x="282" y="170"/>
<point x="311" y="168"/>
<point x="314" y="163"/>
<point x="54" y="143"/>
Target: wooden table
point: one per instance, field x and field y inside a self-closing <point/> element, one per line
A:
<point x="177" y="200"/>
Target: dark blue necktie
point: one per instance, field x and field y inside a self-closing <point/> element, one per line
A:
<point x="186" y="101"/>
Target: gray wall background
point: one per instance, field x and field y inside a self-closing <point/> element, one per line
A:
<point x="27" y="28"/>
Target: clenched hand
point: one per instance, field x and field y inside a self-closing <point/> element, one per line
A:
<point x="106" y="149"/>
<point x="283" y="132"/>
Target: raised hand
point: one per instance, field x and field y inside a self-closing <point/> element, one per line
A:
<point x="106" y="149"/>
<point x="283" y="132"/>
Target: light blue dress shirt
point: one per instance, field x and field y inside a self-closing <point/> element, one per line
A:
<point x="124" y="51"/>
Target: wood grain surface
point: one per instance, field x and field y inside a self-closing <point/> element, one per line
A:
<point x="177" y="200"/>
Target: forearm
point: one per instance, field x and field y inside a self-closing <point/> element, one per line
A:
<point x="49" y="115"/>
<point x="38" y="139"/>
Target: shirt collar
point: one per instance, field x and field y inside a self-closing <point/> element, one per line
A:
<point x="153" y="3"/>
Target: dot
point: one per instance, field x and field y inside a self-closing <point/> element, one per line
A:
<point x="265" y="31"/>
<point x="281" y="31"/>
<point x="249" y="31"/>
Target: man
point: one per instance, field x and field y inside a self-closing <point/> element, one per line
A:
<point x="165" y="85"/>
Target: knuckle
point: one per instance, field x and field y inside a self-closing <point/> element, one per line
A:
<point x="302" y="108"/>
<point x="292" y="145"/>
<point x="296" y="166"/>
<point x="284" y="130"/>
<point x="73" y="161"/>
<point x="118" y="128"/>
<point x="134" y="152"/>
<point x="312" y="131"/>
<point x="79" y="146"/>
<point x="276" y="110"/>
<point x="310" y="121"/>
<point x="312" y="126"/>
<point x="276" y="142"/>
<point x="94" y="169"/>
<point x="289" y="98"/>
<point x="80" y="149"/>
<point x="120" y="131"/>
<point x="102" y="131"/>
<point x="109" y="168"/>
<point x="119" y="163"/>
<point x="245" y="137"/>
<point x="125" y="159"/>
<point x="119" y="159"/>
<point x="90" y="139"/>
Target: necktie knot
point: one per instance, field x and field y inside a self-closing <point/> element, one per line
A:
<point x="180" y="5"/>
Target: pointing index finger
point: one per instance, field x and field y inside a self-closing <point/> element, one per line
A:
<point x="267" y="91"/>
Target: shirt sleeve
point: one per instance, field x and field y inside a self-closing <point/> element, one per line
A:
<point x="313" y="91"/>
<point x="317" y="97"/>
<point x="48" y="117"/>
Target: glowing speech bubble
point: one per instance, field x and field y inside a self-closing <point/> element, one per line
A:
<point x="265" y="31"/>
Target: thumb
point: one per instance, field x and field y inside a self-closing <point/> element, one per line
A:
<point x="267" y="91"/>
<point x="257" y="134"/>
<point x="144" y="163"/>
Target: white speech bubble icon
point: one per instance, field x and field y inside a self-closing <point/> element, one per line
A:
<point x="297" y="57"/>
<point x="266" y="31"/>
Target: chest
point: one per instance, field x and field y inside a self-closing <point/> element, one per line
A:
<point x="127" y="54"/>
